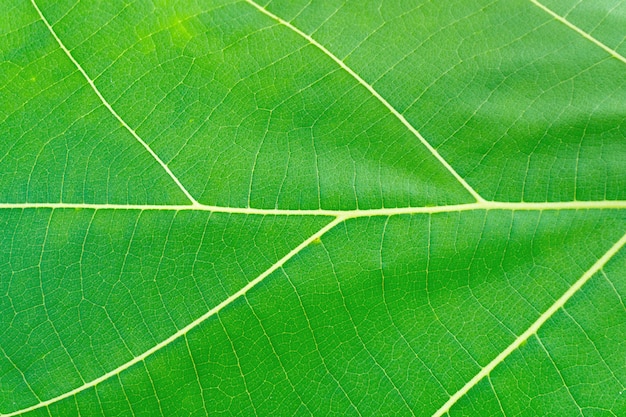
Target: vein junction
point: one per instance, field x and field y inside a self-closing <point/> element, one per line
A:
<point x="358" y="78"/>
<point x="376" y="94"/>
<point x="339" y="217"/>
<point x="345" y="214"/>
<point x="113" y="112"/>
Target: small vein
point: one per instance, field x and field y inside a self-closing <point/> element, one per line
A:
<point x="575" y="28"/>
<point x="110" y="108"/>
<point x="556" y="368"/>
<point x="278" y="357"/>
<point x="242" y="374"/>
<point x="534" y="328"/>
<point x="317" y="345"/>
<point x="391" y="319"/>
<point x="361" y="341"/>
<point x="376" y="94"/>
<point x="182" y="332"/>
<point x="154" y="391"/>
<point x="197" y="374"/>
<point x="126" y="397"/>
<point x="495" y="394"/>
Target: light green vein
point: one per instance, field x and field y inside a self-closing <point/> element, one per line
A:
<point x="182" y="332"/>
<point x="534" y="328"/>
<point x="487" y="205"/>
<point x="110" y="108"/>
<point x="575" y="28"/>
<point x="376" y="94"/>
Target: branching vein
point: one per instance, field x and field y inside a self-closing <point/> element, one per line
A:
<point x="534" y="328"/>
<point x="487" y="205"/>
<point x="110" y="108"/>
<point x="375" y="93"/>
<point x="182" y="332"/>
<point x="338" y="216"/>
<point x="575" y="28"/>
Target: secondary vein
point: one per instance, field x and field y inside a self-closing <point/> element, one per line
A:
<point x="586" y="35"/>
<point x="110" y="108"/>
<point x="212" y="312"/>
<point x="534" y="328"/>
<point x="376" y="94"/>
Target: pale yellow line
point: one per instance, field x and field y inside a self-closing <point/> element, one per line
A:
<point x="488" y="205"/>
<point x="113" y="112"/>
<point x="533" y="328"/>
<point x="586" y="35"/>
<point x="188" y="327"/>
<point x="375" y="93"/>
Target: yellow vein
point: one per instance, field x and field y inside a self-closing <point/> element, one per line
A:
<point x="375" y="93"/>
<point x="596" y="267"/>
<point x="586" y="35"/>
<point x="348" y="214"/>
<point x="190" y="326"/>
<point x="108" y="106"/>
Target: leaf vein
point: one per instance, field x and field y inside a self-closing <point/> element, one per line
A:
<point x="182" y="332"/>
<point x="376" y="94"/>
<point x="110" y="108"/>
<point x="488" y="205"/>
<point x="534" y="328"/>
<point x="578" y="30"/>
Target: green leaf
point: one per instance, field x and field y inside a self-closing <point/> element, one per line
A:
<point x="312" y="208"/>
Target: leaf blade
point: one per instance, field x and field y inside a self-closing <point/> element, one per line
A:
<point x="337" y="262"/>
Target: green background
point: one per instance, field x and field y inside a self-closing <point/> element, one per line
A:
<point x="389" y="312"/>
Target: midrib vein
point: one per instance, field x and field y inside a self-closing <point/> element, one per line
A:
<point x="215" y="310"/>
<point x="375" y="93"/>
<point x="534" y="328"/>
<point x="110" y="108"/>
<point x="346" y="214"/>
<point x="575" y="28"/>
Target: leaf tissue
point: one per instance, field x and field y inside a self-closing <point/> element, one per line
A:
<point x="312" y="207"/>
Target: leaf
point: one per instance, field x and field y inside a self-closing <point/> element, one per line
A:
<point x="312" y="208"/>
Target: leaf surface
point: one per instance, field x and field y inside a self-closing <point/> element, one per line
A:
<point x="312" y="208"/>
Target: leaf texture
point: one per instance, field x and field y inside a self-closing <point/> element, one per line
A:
<point x="312" y="208"/>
